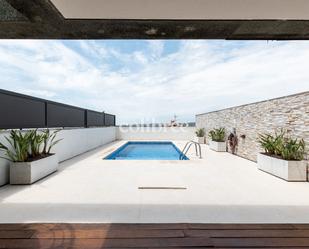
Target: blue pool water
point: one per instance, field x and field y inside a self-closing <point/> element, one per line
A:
<point x="147" y="151"/>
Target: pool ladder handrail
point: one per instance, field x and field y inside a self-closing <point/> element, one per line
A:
<point x="185" y="150"/>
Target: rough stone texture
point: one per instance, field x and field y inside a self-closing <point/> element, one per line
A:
<point x="8" y="13"/>
<point x="290" y="113"/>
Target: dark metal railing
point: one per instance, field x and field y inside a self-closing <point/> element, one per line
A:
<point x="18" y="111"/>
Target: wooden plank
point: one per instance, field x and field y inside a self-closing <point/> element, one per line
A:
<point x="104" y="243"/>
<point x="57" y="226"/>
<point x="106" y="233"/>
<point x="241" y="226"/>
<point x="35" y="226"/>
<point x="19" y="234"/>
<point x="160" y="226"/>
<point x="159" y="236"/>
<point x="261" y="242"/>
<point x="227" y="247"/>
<point x="269" y="247"/>
<point x="95" y="226"/>
<point x="177" y="247"/>
<point x="301" y="226"/>
<point x="248" y="233"/>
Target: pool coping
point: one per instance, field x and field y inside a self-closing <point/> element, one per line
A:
<point x="126" y="142"/>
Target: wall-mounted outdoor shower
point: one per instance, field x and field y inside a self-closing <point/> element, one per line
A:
<point x="233" y="141"/>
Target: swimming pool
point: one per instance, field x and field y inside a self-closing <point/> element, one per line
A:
<point x="147" y="151"/>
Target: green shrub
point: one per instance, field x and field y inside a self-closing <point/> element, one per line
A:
<point x="272" y="143"/>
<point x="49" y="141"/>
<point x="282" y="146"/>
<point x="36" y="141"/>
<point x="27" y="146"/>
<point x="20" y="145"/>
<point x="293" y="149"/>
<point x="200" y="132"/>
<point x="217" y="135"/>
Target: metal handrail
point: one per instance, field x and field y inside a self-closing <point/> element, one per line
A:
<point x="183" y="150"/>
<point x="188" y="146"/>
<point x="185" y="147"/>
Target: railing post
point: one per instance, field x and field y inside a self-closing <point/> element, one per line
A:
<point x="86" y="120"/>
<point x="45" y="112"/>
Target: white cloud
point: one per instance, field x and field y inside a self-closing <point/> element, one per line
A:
<point x="41" y="93"/>
<point x="156" y="48"/>
<point x="151" y="82"/>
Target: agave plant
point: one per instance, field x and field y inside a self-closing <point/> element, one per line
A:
<point x="217" y="135"/>
<point x="200" y="132"/>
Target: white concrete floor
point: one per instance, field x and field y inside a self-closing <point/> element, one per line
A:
<point x="221" y="188"/>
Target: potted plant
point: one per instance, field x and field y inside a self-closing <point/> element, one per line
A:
<point x="200" y="133"/>
<point x="282" y="156"/>
<point x="217" y="140"/>
<point x="30" y="155"/>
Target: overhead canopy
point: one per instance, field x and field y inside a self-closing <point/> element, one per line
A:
<point x="155" y="19"/>
<point x="184" y="9"/>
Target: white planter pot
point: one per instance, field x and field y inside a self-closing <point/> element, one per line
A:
<point x="287" y="170"/>
<point x="30" y="172"/>
<point x="201" y="140"/>
<point x="217" y="146"/>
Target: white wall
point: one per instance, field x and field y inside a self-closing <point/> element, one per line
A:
<point x="75" y="142"/>
<point x="156" y="133"/>
<point x="78" y="141"/>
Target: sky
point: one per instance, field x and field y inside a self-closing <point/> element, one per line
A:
<point x="149" y="81"/>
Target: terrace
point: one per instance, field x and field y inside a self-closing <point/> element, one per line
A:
<point x="209" y="200"/>
<point x="220" y="188"/>
<point x="247" y="188"/>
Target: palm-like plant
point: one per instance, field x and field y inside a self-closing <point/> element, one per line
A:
<point x="200" y="132"/>
<point x="49" y="140"/>
<point x="217" y="135"/>
<point x="19" y="146"/>
<point x="283" y="146"/>
<point x="293" y="149"/>
<point x="25" y="146"/>
<point x="36" y="141"/>
<point x="272" y="143"/>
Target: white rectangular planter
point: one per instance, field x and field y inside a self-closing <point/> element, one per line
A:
<point x="30" y="172"/>
<point x="201" y="140"/>
<point x="217" y="146"/>
<point x="287" y="170"/>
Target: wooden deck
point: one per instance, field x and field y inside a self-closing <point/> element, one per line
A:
<point x="90" y="236"/>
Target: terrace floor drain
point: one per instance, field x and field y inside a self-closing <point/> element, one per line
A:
<point x="172" y="188"/>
